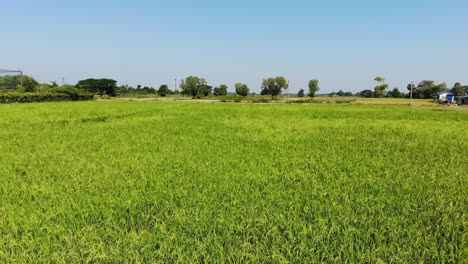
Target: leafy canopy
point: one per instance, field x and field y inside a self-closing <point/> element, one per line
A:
<point x="221" y="90"/>
<point x="101" y="86"/>
<point x="274" y="86"/>
<point x="379" y="90"/>
<point x="313" y="87"/>
<point x="195" y="86"/>
<point x="241" y="89"/>
<point x="164" y="90"/>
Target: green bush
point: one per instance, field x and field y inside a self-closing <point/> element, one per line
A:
<point x="306" y="101"/>
<point x="261" y="100"/>
<point x="15" y="97"/>
<point x="345" y="101"/>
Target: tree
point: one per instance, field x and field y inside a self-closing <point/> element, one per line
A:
<point x="274" y="86"/>
<point x="29" y="84"/>
<point x="366" y="93"/>
<point x="395" y="93"/>
<point x="313" y="87"/>
<point x="9" y="81"/>
<point x="340" y="93"/>
<point x="458" y="89"/>
<point x="427" y="89"/>
<point x="241" y="89"/>
<point x="349" y="94"/>
<point x="379" y="90"/>
<point x="100" y="86"/>
<point x="301" y="93"/>
<point x="207" y="90"/>
<point x="221" y="90"/>
<point x="194" y="86"/>
<point x="164" y="90"/>
<point x="13" y="81"/>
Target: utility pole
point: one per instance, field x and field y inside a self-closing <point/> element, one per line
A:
<point x="21" y="77"/>
<point x="411" y="94"/>
<point x="175" y="85"/>
<point x="63" y="81"/>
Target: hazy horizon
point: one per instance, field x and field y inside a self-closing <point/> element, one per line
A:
<point x="344" y="44"/>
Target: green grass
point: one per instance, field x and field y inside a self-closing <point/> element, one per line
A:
<point x="187" y="182"/>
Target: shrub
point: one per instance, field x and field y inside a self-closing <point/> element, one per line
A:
<point x="15" y="97"/>
<point x="261" y="100"/>
<point x="306" y="101"/>
<point x="73" y="92"/>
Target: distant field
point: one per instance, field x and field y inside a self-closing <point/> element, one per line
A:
<point x="285" y="99"/>
<point x="179" y="182"/>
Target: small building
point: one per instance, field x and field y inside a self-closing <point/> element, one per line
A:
<point x="446" y="96"/>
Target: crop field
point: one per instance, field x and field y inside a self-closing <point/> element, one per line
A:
<point x="112" y="182"/>
<point x="282" y="99"/>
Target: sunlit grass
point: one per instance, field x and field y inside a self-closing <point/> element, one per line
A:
<point x="180" y="182"/>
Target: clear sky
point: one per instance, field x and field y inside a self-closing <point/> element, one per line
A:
<point x="343" y="43"/>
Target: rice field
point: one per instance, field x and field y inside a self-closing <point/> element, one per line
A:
<point x="174" y="182"/>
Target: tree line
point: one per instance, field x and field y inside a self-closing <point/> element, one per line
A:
<point x="425" y="89"/>
<point x="198" y="87"/>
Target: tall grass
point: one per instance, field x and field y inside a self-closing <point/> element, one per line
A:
<point x="179" y="182"/>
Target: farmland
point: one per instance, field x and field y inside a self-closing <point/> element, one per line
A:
<point x="188" y="182"/>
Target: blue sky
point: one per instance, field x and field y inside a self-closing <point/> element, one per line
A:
<point x="344" y="44"/>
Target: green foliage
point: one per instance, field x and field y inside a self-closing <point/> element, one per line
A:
<point x="300" y="93"/>
<point x="241" y="89"/>
<point x="379" y="79"/>
<point x="261" y="100"/>
<point x="129" y="91"/>
<point x="101" y="86"/>
<point x="164" y="90"/>
<point x="74" y="93"/>
<point x="195" y="86"/>
<point x="459" y="90"/>
<point x="304" y="101"/>
<point x="143" y="182"/>
<point x="9" y="81"/>
<point x="395" y="93"/>
<point x="274" y="86"/>
<point x="57" y="96"/>
<point x="14" y="81"/>
<point x="221" y="90"/>
<point x="313" y="87"/>
<point x="428" y="89"/>
<point x="380" y="90"/>
<point x="341" y="93"/>
<point x="366" y="93"/>
<point x="44" y="88"/>
<point x="29" y="84"/>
